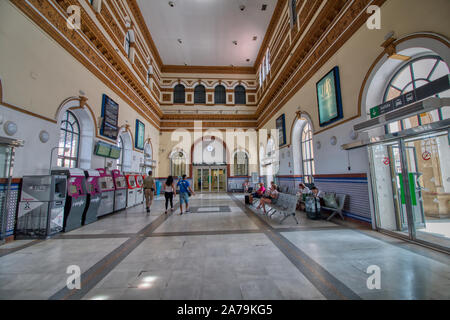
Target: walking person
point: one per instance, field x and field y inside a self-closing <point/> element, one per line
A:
<point x="185" y="192"/>
<point x="169" y="192"/>
<point x="149" y="190"/>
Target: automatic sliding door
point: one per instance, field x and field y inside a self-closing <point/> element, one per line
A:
<point x="388" y="188"/>
<point x="429" y="173"/>
<point x="206" y="180"/>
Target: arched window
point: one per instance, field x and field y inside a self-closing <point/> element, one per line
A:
<point x="119" y="162"/>
<point x="178" y="164"/>
<point x="69" y="141"/>
<point x="309" y="169"/>
<point x="240" y="164"/>
<point x="239" y="95"/>
<point x="179" y="94"/>
<point x="200" y="94"/>
<point x="127" y="44"/>
<point x="220" y="95"/>
<point x="412" y="75"/>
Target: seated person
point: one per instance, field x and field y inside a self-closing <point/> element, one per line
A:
<point x="246" y="185"/>
<point x="270" y="198"/>
<point x="316" y="193"/>
<point x="303" y="189"/>
<point x="260" y="192"/>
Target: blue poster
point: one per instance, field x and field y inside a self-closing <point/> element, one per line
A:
<point x="329" y="98"/>
<point x="140" y="135"/>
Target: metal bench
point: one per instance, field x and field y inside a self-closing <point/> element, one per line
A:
<point x="286" y="205"/>
<point x="340" y="199"/>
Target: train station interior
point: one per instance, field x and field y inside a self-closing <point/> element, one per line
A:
<point x="313" y="134"/>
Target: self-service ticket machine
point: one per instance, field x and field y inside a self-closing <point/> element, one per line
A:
<point x="41" y="207"/>
<point x="106" y="184"/>
<point x="76" y="197"/>
<point x="94" y="196"/>
<point x="139" y="189"/>
<point x="120" y="195"/>
<point x="132" y="189"/>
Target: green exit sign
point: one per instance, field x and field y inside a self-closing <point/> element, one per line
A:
<point x="374" y="112"/>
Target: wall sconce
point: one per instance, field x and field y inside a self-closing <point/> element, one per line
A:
<point x="318" y="145"/>
<point x="333" y="140"/>
<point x="44" y="136"/>
<point x="353" y="135"/>
<point x="10" y="128"/>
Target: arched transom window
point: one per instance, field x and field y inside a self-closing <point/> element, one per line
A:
<point x="69" y="141"/>
<point x="414" y="74"/>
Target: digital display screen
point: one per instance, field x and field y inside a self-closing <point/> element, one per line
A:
<point x="115" y="153"/>
<point x="103" y="149"/>
<point x="329" y="98"/>
<point x="110" y="115"/>
<point x="73" y="189"/>
<point x="140" y="135"/>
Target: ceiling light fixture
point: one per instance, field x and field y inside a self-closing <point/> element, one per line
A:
<point x="180" y="41"/>
<point x="235" y="42"/>
<point x="255" y="38"/>
<point x="248" y="60"/>
<point x="242" y="7"/>
<point x="172" y="4"/>
<point x="264" y="7"/>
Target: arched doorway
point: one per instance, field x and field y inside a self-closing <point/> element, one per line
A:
<point x="210" y="165"/>
<point x="409" y="160"/>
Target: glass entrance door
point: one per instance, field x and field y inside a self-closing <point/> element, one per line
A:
<point x="428" y="160"/>
<point x="210" y="179"/>
<point x="411" y="187"/>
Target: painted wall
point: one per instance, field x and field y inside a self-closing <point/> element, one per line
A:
<point x="354" y="60"/>
<point x="38" y="75"/>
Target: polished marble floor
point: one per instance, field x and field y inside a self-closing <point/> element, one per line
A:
<point x="221" y="250"/>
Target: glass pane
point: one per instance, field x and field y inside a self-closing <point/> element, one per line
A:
<point x="423" y="67"/>
<point x="430" y="181"/>
<point x="403" y="78"/>
<point x="388" y="188"/>
<point x="441" y="70"/>
<point x="393" y="93"/>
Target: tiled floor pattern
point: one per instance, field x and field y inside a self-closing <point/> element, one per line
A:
<point x="221" y="250"/>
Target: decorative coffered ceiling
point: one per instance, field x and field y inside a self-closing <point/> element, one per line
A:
<point x="207" y="29"/>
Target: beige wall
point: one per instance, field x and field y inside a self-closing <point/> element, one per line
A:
<point x="183" y="140"/>
<point x="354" y="59"/>
<point x="38" y="75"/>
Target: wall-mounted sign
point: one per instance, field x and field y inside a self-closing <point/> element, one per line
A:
<point x="106" y="150"/>
<point x="281" y="128"/>
<point x="329" y="98"/>
<point x="110" y="115"/>
<point x="418" y="94"/>
<point x="140" y="135"/>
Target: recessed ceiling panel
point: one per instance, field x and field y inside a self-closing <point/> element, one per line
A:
<point x="207" y="30"/>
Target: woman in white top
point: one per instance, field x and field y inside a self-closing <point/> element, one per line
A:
<point x="169" y="192"/>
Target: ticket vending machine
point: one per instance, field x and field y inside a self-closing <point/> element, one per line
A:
<point x="120" y="195"/>
<point x="139" y="189"/>
<point x="76" y="197"/>
<point x="41" y="208"/>
<point x="94" y="196"/>
<point x="106" y="184"/>
<point x="132" y="189"/>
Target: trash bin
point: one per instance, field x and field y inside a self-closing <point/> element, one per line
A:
<point x="158" y="187"/>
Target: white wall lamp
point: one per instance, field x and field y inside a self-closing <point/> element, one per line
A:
<point x="333" y="140"/>
<point x="353" y="135"/>
<point x="44" y="136"/>
<point x="10" y="128"/>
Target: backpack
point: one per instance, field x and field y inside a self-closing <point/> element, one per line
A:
<point x="312" y="208"/>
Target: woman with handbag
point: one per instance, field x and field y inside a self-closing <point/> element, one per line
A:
<point x="169" y="192"/>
